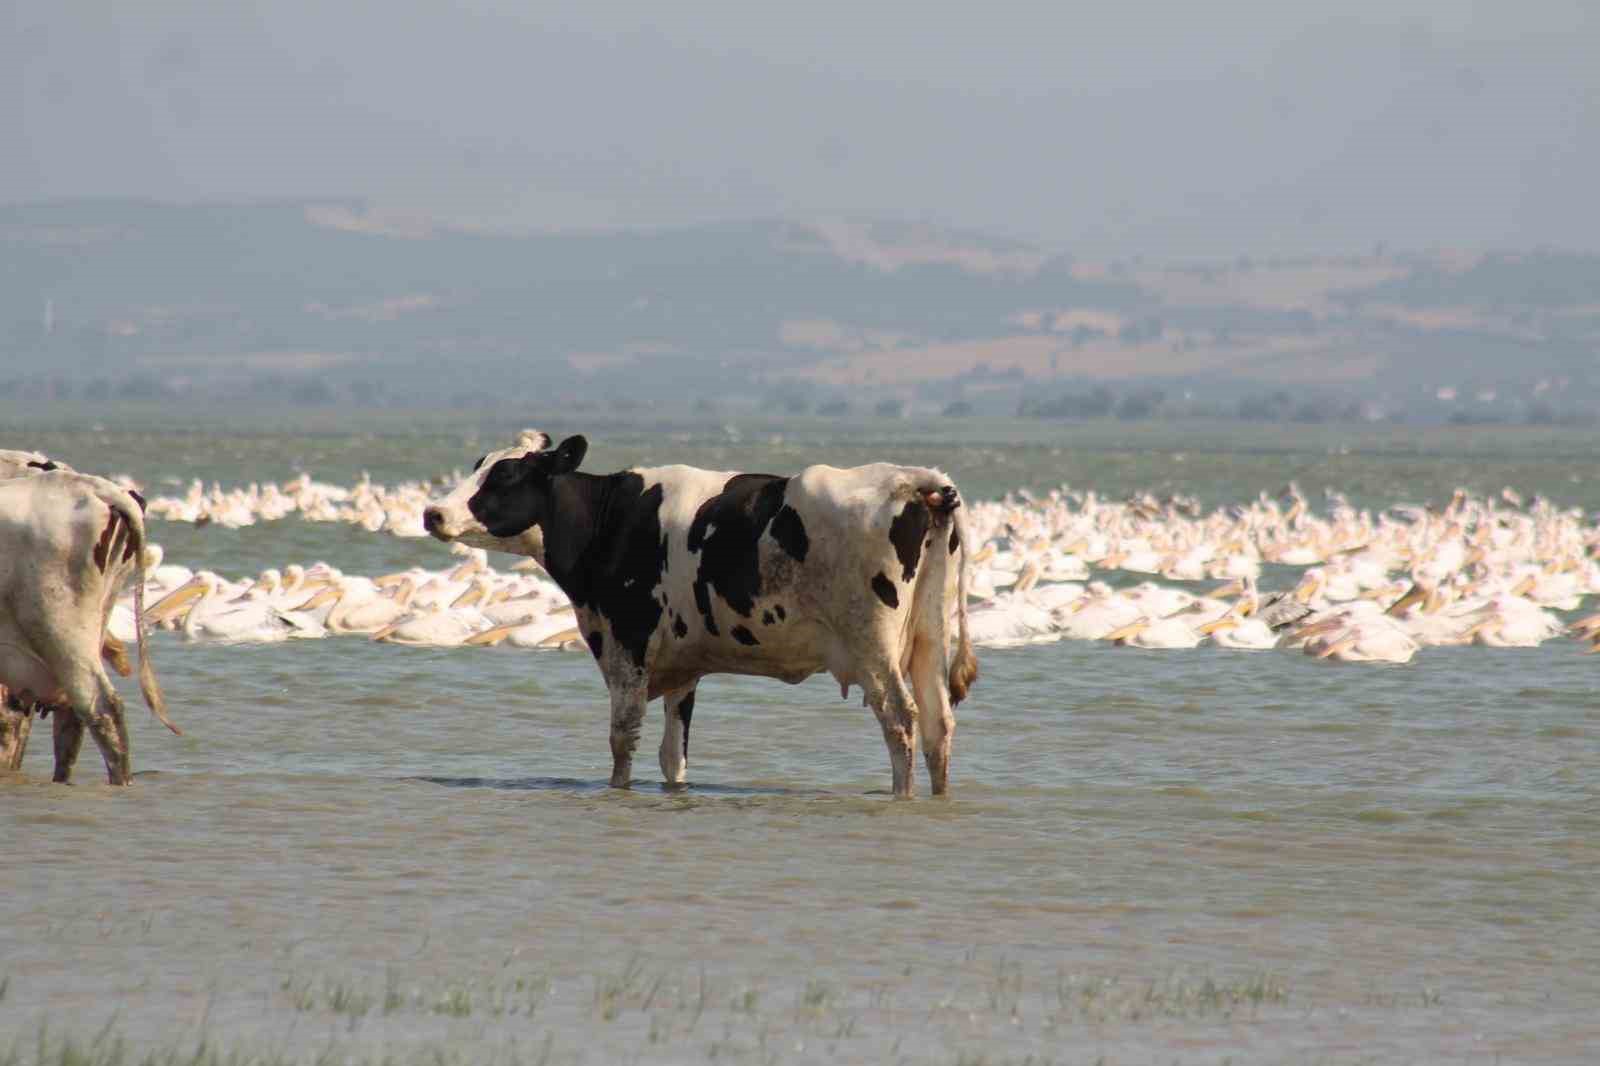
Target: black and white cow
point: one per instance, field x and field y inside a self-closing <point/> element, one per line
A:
<point x="676" y="573"/>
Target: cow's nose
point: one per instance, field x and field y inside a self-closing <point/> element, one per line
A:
<point x="432" y="519"/>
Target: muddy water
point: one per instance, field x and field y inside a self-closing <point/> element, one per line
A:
<point x="1164" y="856"/>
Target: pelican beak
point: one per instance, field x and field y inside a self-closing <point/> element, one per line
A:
<point x="1414" y="594"/>
<point x="468" y="598"/>
<point x="490" y="637"/>
<point x="1525" y="586"/>
<point x="175" y="603"/>
<point x="1586" y="626"/>
<point x="1225" y="622"/>
<point x="1338" y="647"/>
<point x="1232" y="588"/>
<point x="561" y="639"/>
<point x="321" y="599"/>
<point x="388" y="580"/>
<point x="1316" y="629"/>
<point x="1132" y="629"/>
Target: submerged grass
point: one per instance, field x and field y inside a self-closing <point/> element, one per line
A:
<point x="506" y="995"/>
<point x="517" y="1017"/>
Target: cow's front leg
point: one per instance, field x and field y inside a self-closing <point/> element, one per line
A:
<point x="15" y="724"/>
<point x="67" y="729"/>
<point x="679" y="708"/>
<point x="627" y="712"/>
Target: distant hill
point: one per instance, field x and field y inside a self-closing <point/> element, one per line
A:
<point x="328" y="302"/>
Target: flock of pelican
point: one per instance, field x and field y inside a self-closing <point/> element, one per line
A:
<point x="375" y="508"/>
<point x="1366" y="587"/>
<point x="468" y="603"/>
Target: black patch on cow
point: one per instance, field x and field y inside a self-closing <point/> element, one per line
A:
<point x="782" y="614"/>
<point x="597" y="643"/>
<point x="767" y="619"/>
<point x="102" y="548"/>
<point x="790" y="533"/>
<point x="602" y="537"/>
<point x="885" y="590"/>
<point x="726" y="533"/>
<point x="515" y="494"/>
<point x="743" y="636"/>
<point x="906" y="533"/>
<point x="686" y="712"/>
<point x="46" y="466"/>
<point x="955" y="541"/>
<point x="680" y="629"/>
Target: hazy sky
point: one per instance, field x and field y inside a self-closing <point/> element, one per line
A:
<point x="1170" y="128"/>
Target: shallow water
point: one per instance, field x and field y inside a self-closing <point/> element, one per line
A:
<point x="1148" y="856"/>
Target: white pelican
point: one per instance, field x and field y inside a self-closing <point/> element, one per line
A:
<point x="1155" y="633"/>
<point x="359" y="605"/>
<point x="1357" y="638"/>
<point x="549" y="631"/>
<point x="209" y="613"/>
<point x="1243" y="632"/>
<point x="438" y="628"/>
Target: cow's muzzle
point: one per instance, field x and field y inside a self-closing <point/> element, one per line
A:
<point x="433" y="523"/>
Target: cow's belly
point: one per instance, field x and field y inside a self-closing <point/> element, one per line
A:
<point x="23" y="671"/>
<point x="791" y="656"/>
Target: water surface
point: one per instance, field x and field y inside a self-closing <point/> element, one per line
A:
<point x="1194" y="856"/>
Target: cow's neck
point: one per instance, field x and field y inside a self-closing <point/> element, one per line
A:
<point x="578" y="508"/>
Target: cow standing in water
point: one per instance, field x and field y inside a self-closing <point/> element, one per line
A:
<point x="68" y="541"/>
<point x="676" y="573"/>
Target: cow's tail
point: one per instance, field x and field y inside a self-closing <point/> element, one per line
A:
<point x="964" y="665"/>
<point x="122" y="503"/>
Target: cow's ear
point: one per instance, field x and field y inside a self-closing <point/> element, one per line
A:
<point x="569" y="454"/>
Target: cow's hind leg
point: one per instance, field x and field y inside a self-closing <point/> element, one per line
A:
<point x="109" y="727"/>
<point x="679" y="708"/>
<point x="937" y="721"/>
<point x="897" y="714"/>
<point x="91" y="702"/>
<point x="627" y="712"/>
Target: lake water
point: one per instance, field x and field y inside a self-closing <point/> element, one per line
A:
<point x="363" y="851"/>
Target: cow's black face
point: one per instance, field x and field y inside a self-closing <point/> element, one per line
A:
<point x="516" y="492"/>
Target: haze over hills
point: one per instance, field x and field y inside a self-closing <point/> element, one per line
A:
<point x="325" y="302"/>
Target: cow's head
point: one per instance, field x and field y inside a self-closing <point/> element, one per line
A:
<point x="504" y="502"/>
